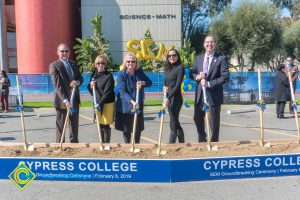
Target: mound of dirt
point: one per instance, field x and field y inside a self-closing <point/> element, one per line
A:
<point x="149" y="152"/>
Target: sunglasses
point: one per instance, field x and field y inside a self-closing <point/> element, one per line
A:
<point x="288" y="60"/>
<point x="101" y="63"/>
<point x="64" y="51"/>
<point x="172" y="55"/>
<point x="130" y="61"/>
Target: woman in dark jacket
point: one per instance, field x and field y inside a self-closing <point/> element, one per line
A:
<point x="173" y="79"/>
<point x="105" y="96"/>
<point x="282" y="91"/>
<point x="128" y="81"/>
<point x="4" y="88"/>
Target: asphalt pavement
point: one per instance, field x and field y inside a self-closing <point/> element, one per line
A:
<point x="241" y="125"/>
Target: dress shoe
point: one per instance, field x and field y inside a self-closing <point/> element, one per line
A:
<point x="277" y="116"/>
<point x="281" y="116"/>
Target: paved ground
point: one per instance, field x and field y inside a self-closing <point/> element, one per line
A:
<point x="279" y="188"/>
<point x="243" y="125"/>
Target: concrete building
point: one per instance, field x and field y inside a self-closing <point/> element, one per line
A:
<point x="42" y="24"/>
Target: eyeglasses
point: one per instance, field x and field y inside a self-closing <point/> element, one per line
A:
<point x="172" y="55"/>
<point x="64" y="51"/>
<point x="288" y="60"/>
<point x="101" y="63"/>
<point x="130" y="61"/>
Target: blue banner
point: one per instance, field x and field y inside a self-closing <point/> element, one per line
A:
<point x="122" y="170"/>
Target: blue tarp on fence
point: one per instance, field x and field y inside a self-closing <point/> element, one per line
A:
<point x="241" y="88"/>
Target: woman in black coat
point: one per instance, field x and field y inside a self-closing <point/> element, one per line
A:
<point x="173" y="79"/>
<point x="105" y="96"/>
<point x="282" y="91"/>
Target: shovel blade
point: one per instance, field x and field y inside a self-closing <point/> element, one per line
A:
<point x="160" y="152"/>
<point x="267" y="144"/>
<point x="135" y="150"/>
<point x="107" y="148"/>
<point x="30" y="147"/>
<point x="212" y="148"/>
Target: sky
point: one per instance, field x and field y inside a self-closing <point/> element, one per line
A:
<point x="284" y="12"/>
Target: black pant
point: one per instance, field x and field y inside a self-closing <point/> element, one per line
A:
<point x="175" y="127"/>
<point x="280" y="108"/>
<point x="73" y="125"/>
<point x="105" y="133"/>
<point x="4" y="101"/>
<point x="127" y="137"/>
<point x="199" y="116"/>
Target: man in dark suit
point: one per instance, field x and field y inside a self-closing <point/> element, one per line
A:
<point x="290" y="67"/>
<point x="209" y="70"/>
<point x="65" y="75"/>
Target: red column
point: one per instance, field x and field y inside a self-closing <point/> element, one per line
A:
<point x="4" y="32"/>
<point x="40" y="26"/>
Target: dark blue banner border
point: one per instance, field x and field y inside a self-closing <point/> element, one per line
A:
<point x="128" y="170"/>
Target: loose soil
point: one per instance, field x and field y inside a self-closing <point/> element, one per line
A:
<point x="173" y="152"/>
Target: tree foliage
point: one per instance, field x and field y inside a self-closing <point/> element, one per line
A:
<point x="151" y="65"/>
<point x="90" y="47"/>
<point x="187" y="54"/>
<point x="250" y="30"/>
<point x="196" y="13"/>
<point x="291" y="39"/>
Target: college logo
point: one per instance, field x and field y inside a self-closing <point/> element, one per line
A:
<point x="22" y="176"/>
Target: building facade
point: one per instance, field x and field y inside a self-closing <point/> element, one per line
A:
<point x="41" y="25"/>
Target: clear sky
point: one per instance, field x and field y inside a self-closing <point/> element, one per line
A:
<point x="284" y="12"/>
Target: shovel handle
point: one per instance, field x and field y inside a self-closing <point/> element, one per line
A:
<point x="293" y="100"/>
<point x="134" y="132"/>
<point x="160" y="133"/>
<point x="64" y="129"/>
<point x="23" y="130"/>
<point x="99" y="131"/>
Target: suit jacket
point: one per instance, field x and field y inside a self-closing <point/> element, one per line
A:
<point x="217" y="75"/>
<point x="282" y="87"/>
<point x="62" y="82"/>
<point x="127" y="90"/>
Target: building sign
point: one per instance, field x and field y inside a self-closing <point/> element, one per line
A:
<point x="143" y="17"/>
<point x="118" y="170"/>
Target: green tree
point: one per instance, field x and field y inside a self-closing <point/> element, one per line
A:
<point x="187" y="54"/>
<point x="291" y="39"/>
<point x="151" y="65"/>
<point x="250" y="30"/>
<point x="195" y="13"/>
<point x="90" y="47"/>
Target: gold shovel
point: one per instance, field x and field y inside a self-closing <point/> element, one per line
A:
<point x="261" y="115"/>
<point x="27" y="147"/>
<point x="207" y="121"/>
<point x="162" y="117"/>
<point x="64" y="129"/>
<point x="294" y="101"/>
<point x="67" y="119"/>
<point x="101" y="147"/>
<point x="133" y="149"/>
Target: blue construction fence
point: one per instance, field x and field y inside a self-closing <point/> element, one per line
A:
<point x="242" y="87"/>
